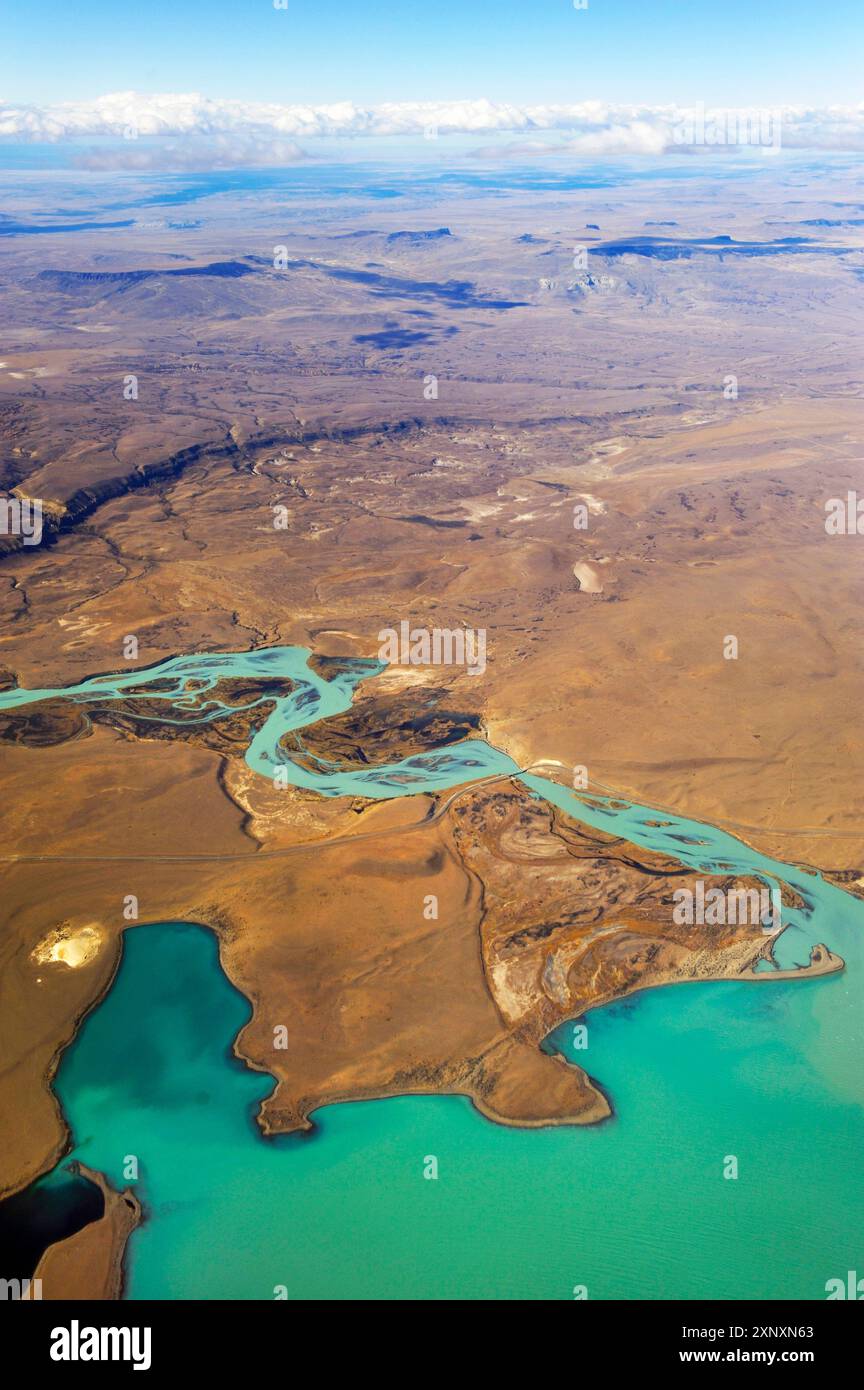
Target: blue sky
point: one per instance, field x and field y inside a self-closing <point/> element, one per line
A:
<point x="370" y="51"/>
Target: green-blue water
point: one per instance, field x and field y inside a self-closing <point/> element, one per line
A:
<point x="313" y="698"/>
<point x="635" y="1208"/>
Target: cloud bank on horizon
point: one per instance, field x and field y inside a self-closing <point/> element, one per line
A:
<point x="584" y="128"/>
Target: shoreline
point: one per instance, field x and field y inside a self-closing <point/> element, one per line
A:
<point x="832" y="964"/>
<point x="90" y="1266"/>
<point x="106" y="1264"/>
<point x="599" y="1106"/>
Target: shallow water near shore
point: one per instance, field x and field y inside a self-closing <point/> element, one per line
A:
<point x="634" y="1208"/>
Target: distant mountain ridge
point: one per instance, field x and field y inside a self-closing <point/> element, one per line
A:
<point x="417" y="238"/>
<point x="70" y="279"/>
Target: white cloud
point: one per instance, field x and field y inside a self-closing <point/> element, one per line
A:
<point x="590" y="127"/>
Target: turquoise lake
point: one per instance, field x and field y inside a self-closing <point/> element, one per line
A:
<point x="634" y="1208"/>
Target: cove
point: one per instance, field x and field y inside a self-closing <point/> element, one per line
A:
<point x="312" y="699"/>
<point x="634" y="1208"/>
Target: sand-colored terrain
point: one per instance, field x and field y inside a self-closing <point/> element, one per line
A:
<point x="291" y="472"/>
<point x="88" y="1266"/>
